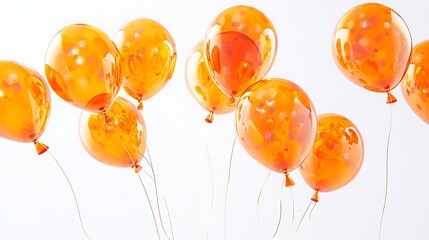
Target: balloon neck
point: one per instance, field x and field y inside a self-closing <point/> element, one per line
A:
<point x="107" y="119"/>
<point x="390" y="98"/>
<point x="231" y="101"/>
<point x="288" y="181"/>
<point x="40" y="147"/>
<point x="210" y="117"/>
<point x="137" y="168"/>
<point x="315" y="197"/>
<point x="140" y="105"/>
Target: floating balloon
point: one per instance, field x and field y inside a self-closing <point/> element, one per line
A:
<point x="202" y="86"/>
<point x="415" y="85"/>
<point x="82" y="67"/>
<point x="117" y="137"/>
<point x="148" y="57"/>
<point x="25" y="104"/>
<point x="372" y="47"/>
<point x="336" y="156"/>
<point x="276" y="123"/>
<point x="240" y="47"/>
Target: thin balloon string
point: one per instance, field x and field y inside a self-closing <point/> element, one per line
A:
<point x="387" y="172"/>
<point x="312" y="209"/>
<point x="73" y="193"/>
<point x="293" y="213"/>
<point x="280" y="213"/>
<point x="227" y="183"/>
<point x="212" y="181"/>
<point x="141" y="181"/>
<point x="157" y="196"/>
<point x="258" y="200"/>
<point x="302" y="218"/>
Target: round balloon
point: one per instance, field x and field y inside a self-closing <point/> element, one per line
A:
<point x="117" y="137"/>
<point x="336" y="156"/>
<point x="415" y="85"/>
<point x="202" y="86"/>
<point x="25" y="103"/>
<point x="240" y="48"/>
<point x="148" y="57"/>
<point x="372" y="47"/>
<point x="82" y="67"/>
<point x="276" y="124"/>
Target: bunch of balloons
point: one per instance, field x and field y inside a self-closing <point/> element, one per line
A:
<point x="275" y="119"/>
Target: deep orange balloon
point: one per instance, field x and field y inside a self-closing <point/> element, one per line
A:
<point x="276" y="123"/>
<point x="25" y="102"/>
<point x="148" y="57"/>
<point x="415" y="85"/>
<point x="82" y="67"/>
<point x="117" y="137"/>
<point x="372" y="47"/>
<point x="202" y="86"/>
<point x="336" y="156"/>
<point x="240" y="48"/>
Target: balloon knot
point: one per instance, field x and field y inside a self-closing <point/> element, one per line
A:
<point x="288" y="181"/>
<point x="40" y="147"/>
<point x="231" y="101"/>
<point x="315" y="197"/>
<point x="210" y="117"/>
<point x="140" y="105"/>
<point x="390" y="98"/>
<point x="137" y="168"/>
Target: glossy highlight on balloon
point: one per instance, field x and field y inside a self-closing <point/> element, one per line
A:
<point x="415" y="85"/>
<point x="117" y="137"/>
<point x="372" y="47"/>
<point x="240" y="48"/>
<point x="25" y="103"/>
<point x="148" y="57"/>
<point x="276" y="124"/>
<point x="336" y="156"/>
<point x="202" y="86"/>
<point x="82" y="67"/>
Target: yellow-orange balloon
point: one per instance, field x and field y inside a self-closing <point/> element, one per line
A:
<point x="202" y="86"/>
<point x="276" y="123"/>
<point x="372" y="47"/>
<point x="25" y="102"/>
<point x="336" y="156"/>
<point x="240" y="48"/>
<point x="415" y="85"/>
<point x="82" y="67"/>
<point x="117" y="137"/>
<point x="148" y="57"/>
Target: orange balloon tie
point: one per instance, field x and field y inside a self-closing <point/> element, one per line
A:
<point x="137" y="168"/>
<point x="231" y="101"/>
<point x="315" y="197"/>
<point x="40" y="147"/>
<point x="210" y="117"/>
<point x="390" y="98"/>
<point x="140" y="105"/>
<point x="288" y="181"/>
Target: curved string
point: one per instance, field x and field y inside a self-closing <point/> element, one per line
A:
<point x="302" y="218"/>
<point x="387" y="172"/>
<point x="73" y="192"/>
<point x="258" y="200"/>
<point x="280" y="213"/>
<point x="311" y="212"/>
<point x="150" y="205"/>
<point x="228" y="181"/>
<point x="293" y="213"/>
<point x="212" y="182"/>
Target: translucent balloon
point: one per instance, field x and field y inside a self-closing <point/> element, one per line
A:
<point x="202" y="86"/>
<point x="276" y="123"/>
<point x="372" y="47"/>
<point x="336" y="156"/>
<point x="415" y="85"/>
<point x="240" y="48"/>
<point x="117" y="137"/>
<point x="148" y="57"/>
<point x="82" y="67"/>
<point x="25" y="104"/>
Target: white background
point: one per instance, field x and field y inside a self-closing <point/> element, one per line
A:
<point x="36" y="203"/>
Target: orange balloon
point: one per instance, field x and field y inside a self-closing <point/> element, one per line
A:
<point x="276" y="123"/>
<point x="336" y="156"/>
<point x="25" y="103"/>
<point x="372" y="47"/>
<point x="117" y="137"/>
<point x="415" y="85"/>
<point x="240" y="48"/>
<point x="148" y="57"/>
<point x="82" y="67"/>
<point x="202" y="86"/>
